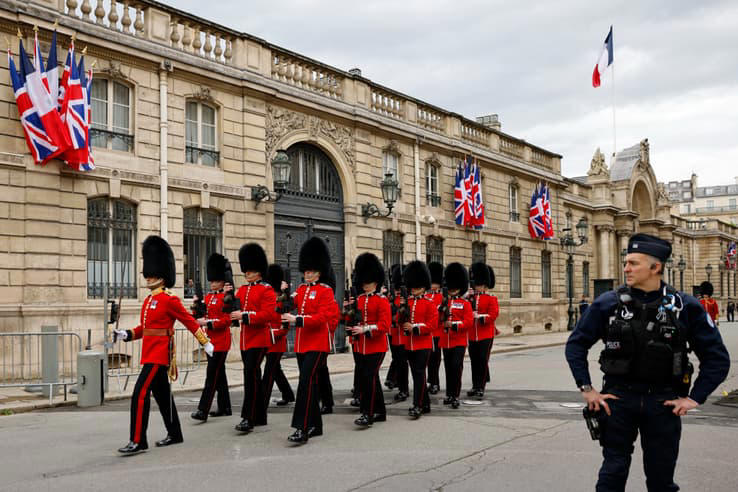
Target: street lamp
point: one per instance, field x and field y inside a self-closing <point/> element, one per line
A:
<point x="721" y="268"/>
<point x="682" y="265"/>
<point x="669" y="270"/>
<point x="569" y="244"/>
<point x="281" y="168"/>
<point x="390" y="190"/>
<point x="708" y="271"/>
<point x="623" y="254"/>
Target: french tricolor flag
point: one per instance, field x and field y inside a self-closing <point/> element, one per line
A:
<point x="604" y="61"/>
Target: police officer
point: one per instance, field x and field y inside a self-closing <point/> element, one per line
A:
<point x="647" y="328"/>
<point x="160" y="310"/>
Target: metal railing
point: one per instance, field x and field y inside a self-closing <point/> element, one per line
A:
<point x="42" y="359"/>
<point x="124" y="358"/>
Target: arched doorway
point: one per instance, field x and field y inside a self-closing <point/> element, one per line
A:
<point x="641" y="201"/>
<point x="312" y="205"/>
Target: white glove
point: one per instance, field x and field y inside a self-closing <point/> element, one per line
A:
<point x="121" y="335"/>
<point x="209" y="349"/>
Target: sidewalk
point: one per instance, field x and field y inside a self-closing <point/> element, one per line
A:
<point x="16" y="400"/>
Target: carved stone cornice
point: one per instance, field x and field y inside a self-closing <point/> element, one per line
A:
<point x="204" y="94"/>
<point x="392" y="147"/>
<point x="280" y="122"/>
<point x="605" y="227"/>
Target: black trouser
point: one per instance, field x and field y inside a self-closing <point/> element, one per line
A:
<point x="418" y="360"/>
<point x="372" y="399"/>
<point x="397" y="372"/>
<point x="358" y="386"/>
<point x="307" y="411"/>
<point x="273" y="374"/>
<point x="253" y="392"/>
<point x="453" y="363"/>
<point x="634" y="411"/>
<point x="216" y="382"/>
<point x="479" y="356"/>
<point x="153" y="379"/>
<point x="434" y="364"/>
<point x="731" y="315"/>
<point x="324" y="383"/>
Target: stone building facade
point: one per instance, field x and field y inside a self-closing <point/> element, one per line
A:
<point x="187" y="117"/>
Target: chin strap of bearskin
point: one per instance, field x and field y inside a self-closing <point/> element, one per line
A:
<point x="172" y="372"/>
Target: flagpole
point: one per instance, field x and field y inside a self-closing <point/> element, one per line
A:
<point x="614" y="134"/>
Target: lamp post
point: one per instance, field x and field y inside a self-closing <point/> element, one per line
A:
<point x="623" y="254"/>
<point x="682" y="265"/>
<point x="281" y="168"/>
<point x="569" y="244"/>
<point x="390" y="190"/>
<point x="670" y="270"/>
<point x="721" y="268"/>
<point x="708" y="271"/>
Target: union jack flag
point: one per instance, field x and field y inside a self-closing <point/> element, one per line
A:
<point x="546" y="202"/>
<point x="731" y="255"/>
<point x="76" y="109"/>
<point x="537" y="220"/>
<point x="461" y="195"/>
<point x="42" y="127"/>
<point x="65" y="79"/>
<point x="476" y="197"/>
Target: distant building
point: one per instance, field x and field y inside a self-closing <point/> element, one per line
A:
<point x="704" y="202"/>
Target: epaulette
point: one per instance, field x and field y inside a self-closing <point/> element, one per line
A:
<point x="326" y="285"/>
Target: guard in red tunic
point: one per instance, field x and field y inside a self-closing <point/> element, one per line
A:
<point x="459" y="322"/>
<point x="272" y="367"/>
<point x="710" y="304"/>
<point x="436" y="297"/>
<point x="481" y="336"/>
<point x="324" y="375"/>
<point x="316" y="308"/>
<point x="218" y="326"/>
<point x="375" y="314"/>
<point x="159" y="312"/>
<point x="417" y="326"/>
<point x="397" y="374"/>
<point x="258" y="303"/>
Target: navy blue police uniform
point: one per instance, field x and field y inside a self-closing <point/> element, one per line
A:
<point x="647" y="336"/>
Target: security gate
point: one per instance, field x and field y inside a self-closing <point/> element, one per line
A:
<point x="312" y="205"/>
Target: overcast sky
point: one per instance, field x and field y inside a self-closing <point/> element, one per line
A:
<point x="676" y="67"/>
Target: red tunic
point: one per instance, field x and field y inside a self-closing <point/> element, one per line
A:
<point x="316" y="311"/>
<point x="460" y="313"/>
<point x="484" y="328"/>
<point x="278" y="334"/>
<point x="424" y="318"/>
<point x="159" y="312"/>
<point x="376" y="313"/>
<point x="398" y="337"/>
<point x="220" y="333"/>
<point x="259" y="302"/>
<point x="436" y="298"/>
<point x="711" y="306"/>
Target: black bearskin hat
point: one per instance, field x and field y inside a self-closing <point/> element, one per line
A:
<point x="491" y="277"/>
<point x="368" y="269"/>
<point x="396" y="276"/>
<point x="706" y="289"/>
<point x="158" y="260"/>
<point x="329" y="278"/>
<point x="314" y="255"/>
<point x="275" y="275"/>
<point x="416" y="275"/>
<point x="436" y="272"/>
<point x="457" y="278"/>
<point x="216" y="267"/>
<point x="479" y="274"/>
<point x="252" y="257"/>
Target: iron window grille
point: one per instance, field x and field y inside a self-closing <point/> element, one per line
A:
<point x="479" y="252"/>
<point x="393" y="248"/>
<point x="203" y="232"/>
<point x="516" y="282"/>
<point x="545" y="274"/>
<point x="434" y="249"/>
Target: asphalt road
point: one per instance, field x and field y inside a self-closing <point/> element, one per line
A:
<point x="523" y="437"/>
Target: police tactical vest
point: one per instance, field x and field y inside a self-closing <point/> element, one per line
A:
<point x="647" y="342"/>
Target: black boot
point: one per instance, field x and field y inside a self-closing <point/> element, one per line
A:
<point x="434" y="389"/>
<point x="315" y="432"/>
<point x="298" y="437"/>
<point x="414" y="412"/>
<point x="325" y="410"/>
<point x="221" y="413"/>
<point x="401" y="396"/>
<point x="455" y="403"/>
<point x="364" y="421"/>
<point x="355" y="402"/>
<point x="472" y="392"/>
<point x="390" y="384"/>
<point x="448" y="400"/>
<point x="285" y="401"/>
<point x="168" y="441"/>
<point x="244" y="426"/>
<point x="380" y="417"/>
<point x="199" y="415"/>
<point x="133" y="448"/>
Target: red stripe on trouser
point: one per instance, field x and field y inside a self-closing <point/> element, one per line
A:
<point x="140" y="402"/>
<point x="257" y="381"/>
<point x="374" y="386"/>
<point x="310" y="391"/>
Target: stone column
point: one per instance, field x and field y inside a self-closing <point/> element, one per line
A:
<point x="604" y="251"/>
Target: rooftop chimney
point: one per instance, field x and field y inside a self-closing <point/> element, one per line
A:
<point x="491" y="121"/>
<point x="356" y="72"/>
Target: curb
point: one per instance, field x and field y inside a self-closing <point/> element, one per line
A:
<point x="43" y="406"/>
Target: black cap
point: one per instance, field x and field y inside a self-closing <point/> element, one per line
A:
<point x="650" y="245"/>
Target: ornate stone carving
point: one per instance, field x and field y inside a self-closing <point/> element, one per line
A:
<point x="598" y="167"/>
<point x="645" y="152"/>
<point x="434" y="159"/>
<point x="204" y="94"/>
<point x="662" y="192"/>
<point x="280" y="122"/>
<point x="392" y="147"/>
<point x="114" y="71"/>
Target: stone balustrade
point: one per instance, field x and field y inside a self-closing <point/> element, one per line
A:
<point x="541" y="159"/>
<point x="126" y="17"/>
<point x="431" y="119"/>
<point x="387" y="104"/>
<point x="305" y="75"/>
<point x="474" y="134"/>
<point x="512" y="147"/>
<point x="202" y="40"/>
